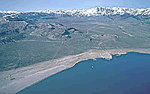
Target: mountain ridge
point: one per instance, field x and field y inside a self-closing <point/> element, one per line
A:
<point x="96" y="11"/>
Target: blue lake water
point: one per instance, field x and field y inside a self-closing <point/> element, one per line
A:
<point x="125" y="74"/>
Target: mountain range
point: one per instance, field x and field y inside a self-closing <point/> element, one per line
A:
<point x="96" y="11"/>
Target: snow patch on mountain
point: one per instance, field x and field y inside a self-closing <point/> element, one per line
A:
<point x="9" y="12"/>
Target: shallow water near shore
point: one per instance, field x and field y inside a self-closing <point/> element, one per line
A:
<point x="125" y="74"/>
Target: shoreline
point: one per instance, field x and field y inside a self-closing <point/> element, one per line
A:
<point x="27" y="76"/>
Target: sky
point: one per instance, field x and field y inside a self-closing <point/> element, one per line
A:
<point x="35" y="5"/>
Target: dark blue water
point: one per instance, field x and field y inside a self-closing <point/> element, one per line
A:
<point x="125" y="74"/>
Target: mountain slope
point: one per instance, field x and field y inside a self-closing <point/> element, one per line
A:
<point x="27" y="38"/>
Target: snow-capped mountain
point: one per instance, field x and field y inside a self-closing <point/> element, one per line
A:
<point x="102" y="11"/>
<point x="97" y="11"/>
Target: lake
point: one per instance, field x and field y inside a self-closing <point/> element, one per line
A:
<point x="125" y="74"/>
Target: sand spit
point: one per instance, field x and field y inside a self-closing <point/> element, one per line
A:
<point x="13" y="81"/>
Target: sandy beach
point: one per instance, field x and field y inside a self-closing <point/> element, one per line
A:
<point x="29" y="80"/>
<point x="13" y="81"/>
